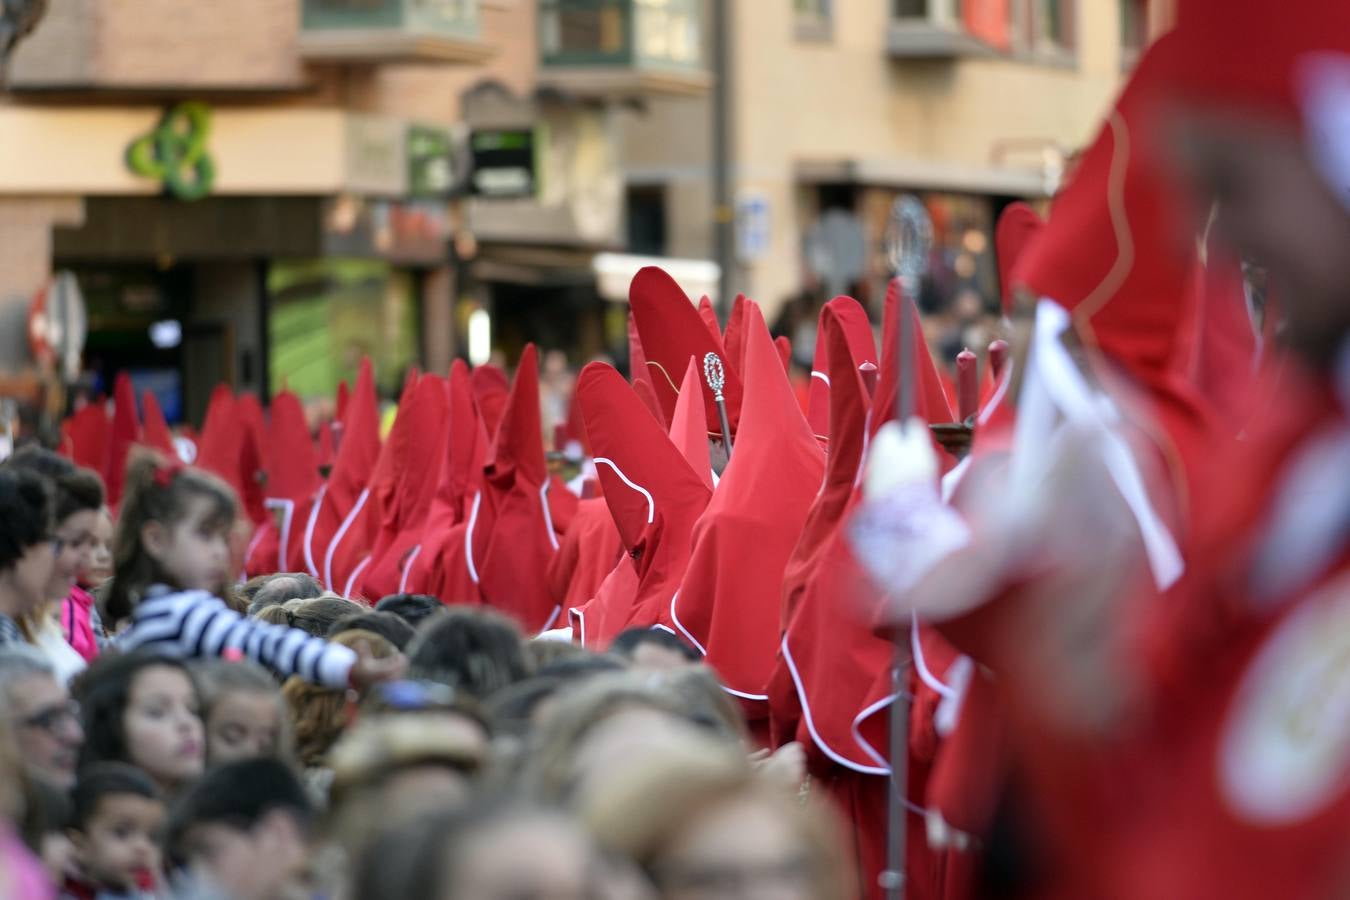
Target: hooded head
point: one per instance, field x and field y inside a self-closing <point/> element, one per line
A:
<point x="671" y="332"/>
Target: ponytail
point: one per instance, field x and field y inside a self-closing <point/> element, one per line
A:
<point x="156" y="489"/>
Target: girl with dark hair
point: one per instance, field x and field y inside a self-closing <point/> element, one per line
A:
<point x="171" y="564"/>
<point x="27" y="557"/>
<point x="143" y="709"/>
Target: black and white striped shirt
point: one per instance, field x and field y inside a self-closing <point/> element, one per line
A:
<point x="9" y="632"/>
<point x="190" y="624"/>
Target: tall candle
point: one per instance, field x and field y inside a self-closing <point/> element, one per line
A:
<point x="998" y="357"/>
<point x="967" y="385"/>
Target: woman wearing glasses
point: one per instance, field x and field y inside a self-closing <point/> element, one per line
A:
<point x="77" y="499"/>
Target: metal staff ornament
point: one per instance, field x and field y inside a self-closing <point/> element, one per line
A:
<point x="716" y="376"/>
<point x="909" y="241"/>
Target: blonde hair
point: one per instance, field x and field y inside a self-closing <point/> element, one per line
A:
<point x="317" y="712"/>
<point x="642" y="811"/>
<point x="379" y="747"/>
<point x="551" y="757"/>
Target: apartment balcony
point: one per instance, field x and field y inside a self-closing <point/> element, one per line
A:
<point x="623" y="48"/>
<point x="946" y="29"/>
<point x="383" y="31"/>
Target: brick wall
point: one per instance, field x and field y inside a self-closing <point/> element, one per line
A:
<point x="172" y="44"/>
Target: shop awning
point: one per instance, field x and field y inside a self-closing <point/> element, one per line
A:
<point x="614" y="273"/>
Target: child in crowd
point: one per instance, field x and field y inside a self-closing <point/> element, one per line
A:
<point x="80" y="620"/>
<point x="143" y="709"/>
<point x="171" y="564"/>
<point x="245" y="713"/>
<point x="115" y="824"/>
<point x="244" y="831"/>
<point x="100" y="567"/>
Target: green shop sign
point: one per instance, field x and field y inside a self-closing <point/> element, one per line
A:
<point x="174" y="152"/>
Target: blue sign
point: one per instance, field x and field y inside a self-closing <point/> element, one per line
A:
<point x="752" y="227"/>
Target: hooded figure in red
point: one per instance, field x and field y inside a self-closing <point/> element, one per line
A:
<point x="417" y="446"/>
<point x="156" y="433"/>
<point x="671" y="332"/>
<point x="709" y="316"/>
<point x="733" y="338"/>
<point x="729" y="602"/>
<point x="490" y="390"/>
<point x="84" y="437"/>
<point x="832" y="685"/>
<point x="349" y="554"/>
<point x="1229" y="778"/>
<point x="126" y="431"/>
<point x="512" y="540"/>
<point x="1018" y="225"/>
<point x="292" y="479"/>
<point x="849" y="315"/>
<point x="589" y="550"/>
<point x="438" y="565"/>
<point x="654" y="497"/>
<point x="346" y="491"/>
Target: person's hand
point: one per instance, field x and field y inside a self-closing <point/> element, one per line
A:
<point x="368" y="670"/>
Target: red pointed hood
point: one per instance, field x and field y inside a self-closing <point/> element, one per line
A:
<point x="1018" y="226"/>
<point x="849" y="408"/>
<point x="849" y="316"/>
<point x="344" y="396"/>
<point x="221" y="439"/>
<point x="345" y="493"/>
<point x="294" y="474"/>
<point x="156" y="433"/>
<point x="687" y="431"/>
<point x="729" y="601"/>
<point x="126" y="431"/>
<point x="709" y="316"/>
<point x="467" y="445"/>
<point x="461" y="478"/>
<point x="652" y="493"/>
<point x="416" y="446"/>
<point x="518" y="445"/>
<point x="293" y="478"/>
<point x="513" y="538"/>
<point x="671" y="332"/>
<point x="930" y="398"/>
<point x="1115" y="252"/>
<point x="734" y="337"/>
<point x="250" y="412"/>
<point x="85" y="436"/>
<point x="490" y="390"/>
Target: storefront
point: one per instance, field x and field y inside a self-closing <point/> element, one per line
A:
<point x="278" y="248"/>
<point x="547" y="197"/>
<point x="846" y="209"/>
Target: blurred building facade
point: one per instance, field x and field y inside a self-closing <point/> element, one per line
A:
<point x="293" y="183"/>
